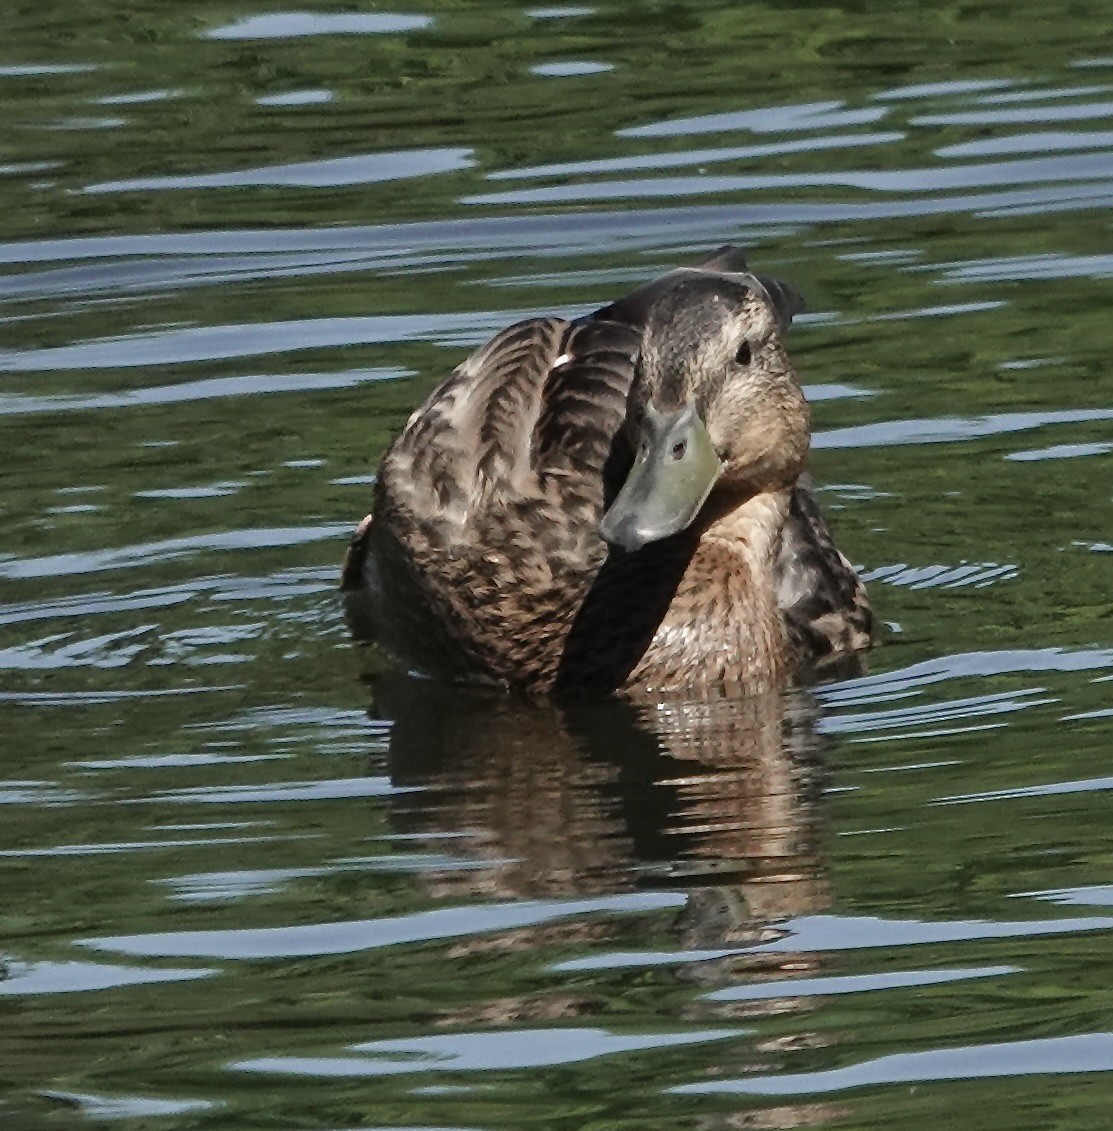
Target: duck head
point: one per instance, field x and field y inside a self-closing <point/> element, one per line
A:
<point x="715" y="413"/>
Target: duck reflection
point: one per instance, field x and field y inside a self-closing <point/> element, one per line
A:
<point x="717" y="796"/>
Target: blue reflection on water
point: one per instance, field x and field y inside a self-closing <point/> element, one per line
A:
<point x="1092" y="1052"/>
<point x="514" y="1049"/>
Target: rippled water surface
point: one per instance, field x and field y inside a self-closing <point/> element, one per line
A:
<point x="248" y="880"/>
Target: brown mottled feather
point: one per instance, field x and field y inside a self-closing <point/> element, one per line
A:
<point x="484" y="559"/>
<point x="484" y="541"/>
<point x="823" y="601"/>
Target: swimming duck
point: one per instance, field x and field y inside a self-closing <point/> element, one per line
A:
<point x="613" y="503"/>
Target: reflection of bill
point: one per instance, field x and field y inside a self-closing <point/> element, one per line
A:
<point x="715" y="796"/>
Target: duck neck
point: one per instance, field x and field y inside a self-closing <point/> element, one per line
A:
<point x="750" y="524"/>
<point x="735" y="564"/>
<point x="724" y="624"/>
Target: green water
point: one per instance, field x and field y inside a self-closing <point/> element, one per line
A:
<point x="247" y="881"/>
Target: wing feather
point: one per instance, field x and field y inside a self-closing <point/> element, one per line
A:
<point x="530" y="417"/>
<point x="822" y="600"/>
<point x="584" y="402"/>
<point x="470" y="438"/>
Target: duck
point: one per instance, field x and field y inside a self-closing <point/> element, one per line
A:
<point x="616" y="503"/>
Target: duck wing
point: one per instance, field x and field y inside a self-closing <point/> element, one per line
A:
<point x="530" y="417"/>
<point x="485" y="532"/>
<point x="823" y="602"/>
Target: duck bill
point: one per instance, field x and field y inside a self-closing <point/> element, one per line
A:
<point x="673" y="473"/>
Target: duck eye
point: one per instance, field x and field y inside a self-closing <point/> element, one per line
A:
<point x="678" y="449"/>
<point x="744" y="355"/>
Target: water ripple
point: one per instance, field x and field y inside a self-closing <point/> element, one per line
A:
<point x="170" y="549"/>
<point x="817" y="934"/>
<point x="902" y="682"/>
<point x="508" y="1051"/>
<point x="295" y="98"/>
<point x="570" y="69"/>
<point x="19" y="70"/>
<point x="1045" y="94"/>
<point x="1092" y="1052"/>
<point x="128" y="847"/>
<point x="128" y="1107"/>
<point x="282" y="717"/>
<point x="63" y="651"/>
<point x="1061" y="451"/>
<point x="693" y="157"/>
<point x="213" y="388"/>
<point x="39" y="793"/>
<point x="209" y="343"/>
<point x="948" y="88"/>
<point x="1026" y="267"/>
<point x="138" y="97"/>
<point x="1026" y="115"/>
<point x="977" y="707"/>
<point x="279" y="792"/>
<point x="232" y="886"/>
<point x="773" y="119"/>
<point x="296" y="25"/>
<point x="558" y="13"/>
<point x="977" y="575"/>
<point x="545" y="234"/>
<point x="854" y="983"/>
<point x="1095" y="896"/>
<point x="279" y="586"/>
<point x="70" y="699"/>
<point x="848" y="932"/>
<point x="36" y="978"/>
<point x="949" y="429"/>
<point x="934" y="178"/>
<point x="331" y="172"/>
<point x="161" y="273"/>
<point x="309" y="940"/>
<point x="1045" y="141"/>
<point x="1051" y="789"/>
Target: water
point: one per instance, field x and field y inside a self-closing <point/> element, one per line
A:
<point x="250" y="880"/>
